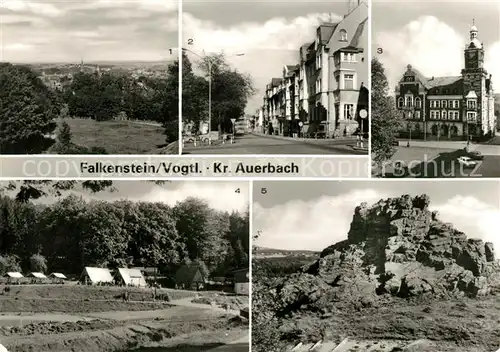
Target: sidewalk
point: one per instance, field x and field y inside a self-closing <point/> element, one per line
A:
<point x="348" y="142"/>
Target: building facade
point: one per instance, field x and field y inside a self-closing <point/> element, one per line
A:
<point x="328" y="88"/>
<point x="449" y="108"/>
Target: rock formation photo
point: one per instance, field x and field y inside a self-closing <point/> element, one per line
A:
<point x="402" y="277"/>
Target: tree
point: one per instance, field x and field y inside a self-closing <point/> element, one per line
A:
<point x="230" y="90"/>
<point x="27" y="111"/>
<point x="385" y="121"/>
<point x="38" y="263"/>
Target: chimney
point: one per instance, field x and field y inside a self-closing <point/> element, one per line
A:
<point x="432" y="79"/>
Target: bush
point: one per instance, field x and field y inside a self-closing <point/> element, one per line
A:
<point x="9" y="263"/>
<point x="38" y="263"/>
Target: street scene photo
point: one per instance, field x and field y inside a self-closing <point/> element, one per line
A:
<point x="375" y="266"/>
<point x="124" y="266"/>
<point x="275" y="77"/>
<point x="435" y="110"/>
<point x="89" y="77"/>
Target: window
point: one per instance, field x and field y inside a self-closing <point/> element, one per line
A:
<point x="432" y="104"/>
<point x="471" y="104"/>
<point x="318" y="61"/>
<point x="348" y="111"/>
<point x="417" y="114"/>
<point x="409" y="101"/>
<point x="343" y="35"/>
<point x="457" y="115"/>
<point x="433" y="114"/>
<point x="451" y="115"/>
<point x="444" y="104"/>
<point x="401" y="102"/>
<point x="318" y="86"/>
<point x="418" y="103"/>
<point x="348" y="81"/>
<point x="471" y="116"/>
<point x="437" y="104"/>
<point x="443" y="115"/>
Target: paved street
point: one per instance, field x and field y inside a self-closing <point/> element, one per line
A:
<point x="259" y="144"/>
<point x="439" y="159"/>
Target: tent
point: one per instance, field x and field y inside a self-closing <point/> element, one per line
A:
<point x="190" y="277"/>
<point x="14" y="275"/>
<point x="37" y="275"/>
<point x="92" y="275"/>
<point x="132" y="277"/>
<point x="58" y="276"/>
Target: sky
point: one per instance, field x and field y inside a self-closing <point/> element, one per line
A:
<point x="34" y="31"/>
<point x="268" y="33"/>
<point x="312" y="215"/>
<point x="431" y="35"/>
<point x="220" y="195"/>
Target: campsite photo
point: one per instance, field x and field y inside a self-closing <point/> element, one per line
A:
<point x="124" y="266"/>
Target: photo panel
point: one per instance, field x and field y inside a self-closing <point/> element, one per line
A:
<point x="375" y="266"/>
<point x="97" y="77"/>
<point x="130" y="265"/>
<point x="275" y="77"/>
<point x="436" y="110"/>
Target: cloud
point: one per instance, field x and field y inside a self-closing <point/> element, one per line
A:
<point x="220" y="195"/>
<point x="431" y="46"/>
<point x="268" y="46"/>
<point x="321" y="222"/>
<point x="67" y="31"/>
<point x="472" y="216"/>
<point x="311" y="225"/>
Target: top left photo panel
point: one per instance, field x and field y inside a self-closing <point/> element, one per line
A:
<point x="89" y="77"/>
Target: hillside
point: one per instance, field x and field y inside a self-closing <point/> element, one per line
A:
<point x="415" y="276"/>
<point x="264" y="251"/>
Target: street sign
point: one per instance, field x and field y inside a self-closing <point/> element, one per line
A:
<point x="301" y="124"/>
<point x="233" y="121"/>
<point x="363" y="113"/>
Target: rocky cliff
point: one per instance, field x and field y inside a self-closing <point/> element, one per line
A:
<point x="395" y="247"/>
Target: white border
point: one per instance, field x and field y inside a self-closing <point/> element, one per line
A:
<point x="369" y="58"/>
<point x="250" y="261"/>
<point x="179" y="57"/>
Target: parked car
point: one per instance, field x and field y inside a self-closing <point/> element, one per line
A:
<point x="476" y="155"/>
<point x="465" y="161"/>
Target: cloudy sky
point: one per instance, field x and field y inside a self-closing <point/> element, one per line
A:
<point x="269" y="33"/>
<point x="221" y="195"/>
<point x="431" y="36"/>
<point x="92" y="30"/>
<point x="313" y="215"/>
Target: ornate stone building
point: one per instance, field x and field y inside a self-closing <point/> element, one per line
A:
<point x="452" y="108"/>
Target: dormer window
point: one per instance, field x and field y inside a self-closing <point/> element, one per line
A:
<point x="343" y="35"/>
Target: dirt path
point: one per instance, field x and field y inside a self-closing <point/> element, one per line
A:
<point x="186" y="302"/>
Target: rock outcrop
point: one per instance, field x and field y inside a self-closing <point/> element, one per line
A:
<point x="396" y="247"/>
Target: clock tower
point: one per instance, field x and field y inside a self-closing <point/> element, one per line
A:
<point x="474" y="51"/>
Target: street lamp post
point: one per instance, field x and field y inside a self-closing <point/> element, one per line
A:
<point x="210" y="63"/>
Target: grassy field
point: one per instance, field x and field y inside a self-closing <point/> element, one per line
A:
<point x="117" y="137"/>
<point x="60" y="318"/>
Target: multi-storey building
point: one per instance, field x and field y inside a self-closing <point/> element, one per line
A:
<point x="454" y="107"/>
<point x="329" y="87"/>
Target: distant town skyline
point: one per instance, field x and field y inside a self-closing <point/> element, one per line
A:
<point x="36" y="31"/>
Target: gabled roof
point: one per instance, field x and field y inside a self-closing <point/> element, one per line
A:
<point x="432" y="82"/>
<point x="326" y="31"/>
<point x="471" y="95"/>
<point x="38" y="275"/>
<point x="98" y="274"/>
<point x="276" y="82"/>
<point x="357" y="35"/>
<point x="132" y="277"/>
<point x="14" y="274"/>
<point x="189" y="274"/>
<point x="58" y="275"/>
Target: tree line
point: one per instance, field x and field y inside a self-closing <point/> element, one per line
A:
<point x="73" y="233"/>
<point x="230" y="90"/>
<point x="27" y="124"/>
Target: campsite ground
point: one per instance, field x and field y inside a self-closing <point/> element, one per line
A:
<point x="75" y="317"/>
